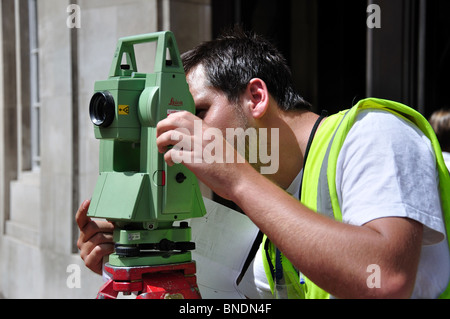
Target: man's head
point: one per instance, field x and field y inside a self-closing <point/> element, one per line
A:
<point x="235" y="58"/>
<point x="440" y="121"/>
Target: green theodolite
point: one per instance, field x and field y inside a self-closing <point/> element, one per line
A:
<point x="148" y="201"/>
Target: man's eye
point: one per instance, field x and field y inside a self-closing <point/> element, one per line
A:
<point x="200" y="113"/>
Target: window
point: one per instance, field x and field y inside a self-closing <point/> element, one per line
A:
<point x="34" y="86"/>
<point x="23" y="105"/>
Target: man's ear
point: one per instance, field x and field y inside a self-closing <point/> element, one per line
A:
<point x="258" y="96"/>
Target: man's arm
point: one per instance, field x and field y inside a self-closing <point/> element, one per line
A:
<point x="334" y="255"/>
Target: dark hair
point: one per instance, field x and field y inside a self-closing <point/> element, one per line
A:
<point x="236" y="57"/>
<point x="440" y="121"/>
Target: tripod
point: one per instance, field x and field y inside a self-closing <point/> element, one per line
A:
<point x="161" y="269"/>
<point x="176" y="281"/>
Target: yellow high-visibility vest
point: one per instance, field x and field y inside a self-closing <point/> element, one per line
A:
<point x="319" y="188"/>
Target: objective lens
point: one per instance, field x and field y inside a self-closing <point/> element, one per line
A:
<point x="102" y="109"/>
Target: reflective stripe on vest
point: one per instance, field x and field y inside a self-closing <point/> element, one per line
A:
<point x="320" y="175"/>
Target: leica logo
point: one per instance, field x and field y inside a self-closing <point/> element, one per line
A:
<point x="174" y="102"/>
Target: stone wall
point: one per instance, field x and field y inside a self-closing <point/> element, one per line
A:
<point x="38" y="255"/>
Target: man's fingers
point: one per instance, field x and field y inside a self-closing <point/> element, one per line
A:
<point x="181" y="120"/>
<point x="93" y="228"/>
<point x="94" y="259"/>
<point x="87" y="242"/>
<point x="179" y="139"/>
<point x="81" y="216"/>
<point x="93" y="250"/>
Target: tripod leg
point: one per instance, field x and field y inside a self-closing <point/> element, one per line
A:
<point x="107" y="291"/>
<point x="173" y="285"/>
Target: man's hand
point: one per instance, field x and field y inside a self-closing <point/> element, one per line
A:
<point x="96" y="239"/>
<point x="180" y="140"/>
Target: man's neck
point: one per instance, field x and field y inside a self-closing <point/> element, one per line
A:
<point x="294" y="136"/>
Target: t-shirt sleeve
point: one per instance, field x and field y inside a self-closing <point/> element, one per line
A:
<point x="387" y="168"/>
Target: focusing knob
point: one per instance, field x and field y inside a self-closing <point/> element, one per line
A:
<point x="180" y="178"/>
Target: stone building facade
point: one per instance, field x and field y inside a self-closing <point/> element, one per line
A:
<point x="51" y="54"/>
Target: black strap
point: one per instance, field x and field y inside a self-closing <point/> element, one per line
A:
<point x="308" y="147"/>
<point x="251" y="255"/>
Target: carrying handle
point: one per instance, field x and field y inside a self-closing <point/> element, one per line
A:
<point x="165" y="43"/>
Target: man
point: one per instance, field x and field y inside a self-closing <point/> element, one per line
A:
<point x="386" y="181"/>
<point x="440" y="121"/>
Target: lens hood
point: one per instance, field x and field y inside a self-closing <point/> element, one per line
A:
<point x="102" y="109"/>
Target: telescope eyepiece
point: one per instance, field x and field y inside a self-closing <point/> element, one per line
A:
<point x="102" y="109"/>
